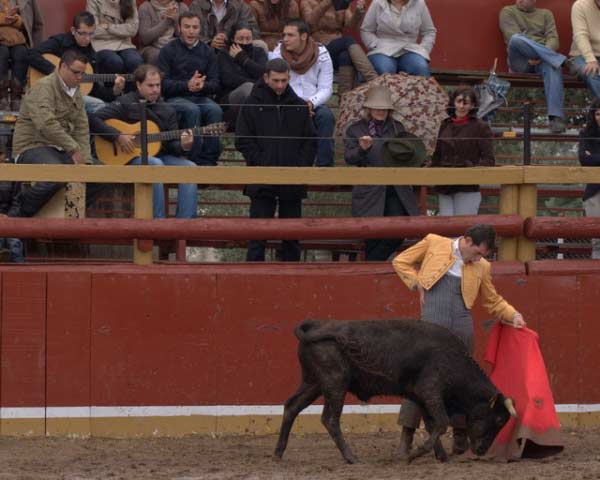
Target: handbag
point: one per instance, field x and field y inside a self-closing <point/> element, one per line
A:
<point x="11" y="37"/>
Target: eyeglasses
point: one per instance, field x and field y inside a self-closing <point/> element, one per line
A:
<point x="77" y="73"/>
<point x="84" y="34"/>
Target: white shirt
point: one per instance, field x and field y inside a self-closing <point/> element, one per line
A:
<point x="316" y="84"/>
<point x="69" y="91"/>
<point x="456" y="269"/>
<point x="219" y="11"/>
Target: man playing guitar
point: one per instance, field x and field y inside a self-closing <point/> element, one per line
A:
<point x="127" y="108"/>
<point x="79" y="38"/>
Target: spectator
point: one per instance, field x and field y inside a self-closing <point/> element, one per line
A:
<point x="21" y="27"/>
<point x="585" y="49"/>
<point x="589" y="156"/>
<point x="159" y="24"/>
<point x="218" y="16"/>
<point x="271" y="16"/>
<point x="191" y="76"/>
<point x="449" y="275"/>
<point x="53" y="129"/>
<point x="532" y="40"/>
<point x="274" y="129"/>
<point x="148" y="82"/>
<point x="364" y="147"/>
<point x="116" y="25"/>
<point x="241" y="64"/>
<point x="8" y="201"/>
<point x="312" y="80"/>
<point x="79" y="38"/>
<point x="327" y="24"/>
<point x="390" y="31"/>
<point x="463" y="141"/>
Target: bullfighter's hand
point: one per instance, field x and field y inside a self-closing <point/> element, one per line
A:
<point x="365" y="142"/>
<point x="591" y="69"/>
<point x="516" y="322"/>
<point x="119" y="85"/>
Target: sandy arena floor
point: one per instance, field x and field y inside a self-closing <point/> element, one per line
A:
<point x="310" y="456"/>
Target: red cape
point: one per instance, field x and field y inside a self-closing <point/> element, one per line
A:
<point x="518" y="371"/>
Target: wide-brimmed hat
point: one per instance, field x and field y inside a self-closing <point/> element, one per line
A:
<point x="404" y="150"/>
<point x="379" y="97"/>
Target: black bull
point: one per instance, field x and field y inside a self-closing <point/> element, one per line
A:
<point x="420" y="361"/>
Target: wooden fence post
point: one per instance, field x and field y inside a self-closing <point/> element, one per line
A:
<point x="142" y="249"/>
<point x="527" y="208"/>
<point x="509" y="205"/>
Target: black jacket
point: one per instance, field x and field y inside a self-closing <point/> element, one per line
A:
<point x="59" y="44"/>
<point x="245" y="67"/>
<point x="277" y="116"/>
<point x="126" y="108"/>
<point x="591" y="145"/>
<point x="178" y="63"/>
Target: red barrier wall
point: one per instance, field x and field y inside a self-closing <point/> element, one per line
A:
<point x="468" y="35"/>
<point x="222" y="334"/>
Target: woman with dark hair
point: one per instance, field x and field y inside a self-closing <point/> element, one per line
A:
<point x="116" y="25"/>
<point x="271" y="16"/>
<point x="589" y="156"/>
<point x="159" y="24"/>
<point x="463" y="141"/>
<point x="241" y="64"/>
<point x="391" y="31"/>
<point x="327" y="24"/>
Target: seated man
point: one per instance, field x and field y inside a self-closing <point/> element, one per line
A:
<point x="218" y="16"/>
<point x="532" y="40"/>
<point x="191" y="76"/>
<point x="79" y="38"/>
<point x="53" y="129"/>
<point x="585" y="49"/>
<point x="259" y="123"/>
<point x="147" y="81"/>
<point x="312" y="80"/>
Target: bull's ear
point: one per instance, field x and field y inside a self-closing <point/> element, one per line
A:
<point x="493" y="400"/>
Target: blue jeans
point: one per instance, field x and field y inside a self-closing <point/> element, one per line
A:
<point x="187" y="196"/>
<point x="520" y="50"/>
<point x="338" y="51"/>
<point x="93" y="104"/>
<point x="15" y="249"/>
<point x="409" y="62"/>
<point x="593" y="83"/>
<point x="198" y="111"/>
<point x="324" y="123"/>
<point x="123" y="61"/>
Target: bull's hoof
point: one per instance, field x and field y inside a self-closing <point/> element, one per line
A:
<point x="442" y="457"/>
<point x="350" y="459"/>
<point x="277" y="455"/>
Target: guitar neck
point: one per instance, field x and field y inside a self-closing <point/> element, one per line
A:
<point x="171" y="134"/>
<point x="104" y="77"/>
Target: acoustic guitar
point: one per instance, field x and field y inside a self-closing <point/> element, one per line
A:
<point x="88" y="80"/>
<point x="109" y="152"/>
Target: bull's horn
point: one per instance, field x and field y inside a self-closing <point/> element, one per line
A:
<point x="510" y="406"/>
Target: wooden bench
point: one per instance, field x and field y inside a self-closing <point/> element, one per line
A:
<point x="524" y="80"/>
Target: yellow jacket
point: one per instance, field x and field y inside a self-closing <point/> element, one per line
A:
<point x="435" y="256"/>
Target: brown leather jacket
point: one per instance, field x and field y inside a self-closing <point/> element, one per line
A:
<point x="271" y="28"/>
<point x="327" y="25"/>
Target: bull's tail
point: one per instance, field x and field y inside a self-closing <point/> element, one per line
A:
<point x="312" y="331"/>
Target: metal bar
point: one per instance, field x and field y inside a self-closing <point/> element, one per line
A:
<point x="527" y="133"/>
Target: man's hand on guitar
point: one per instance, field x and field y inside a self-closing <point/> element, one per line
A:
<point x="119" y="85"/>
<point x="126" y="143"/>
<point x="187" y="140"/>
<point x="77" y="158"/>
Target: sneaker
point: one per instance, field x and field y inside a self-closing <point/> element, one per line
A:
<point x="557" y="125"/>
